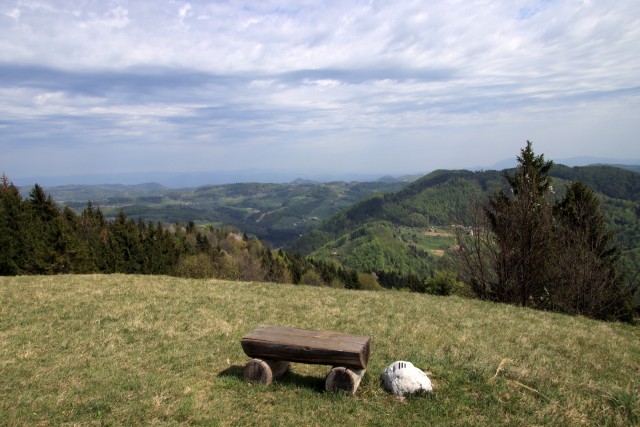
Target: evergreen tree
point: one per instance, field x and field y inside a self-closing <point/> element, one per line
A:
<point x="43" y="233"/>
<point x="161" y="254"/>
<point x="72" y="256"/>
<point x="125" y="245"/>
<point x="522" y="225"/>
<point x="13" y="227"/>
<point x="586" y="259"/>
<point x="93" y="231"/>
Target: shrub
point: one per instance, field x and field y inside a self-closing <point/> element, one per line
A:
<point x="197" y="266"/>
<point x="369" y="282"/>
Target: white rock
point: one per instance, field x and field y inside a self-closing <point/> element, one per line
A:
<point x="402" y="378"/>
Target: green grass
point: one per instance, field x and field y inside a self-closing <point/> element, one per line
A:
<point x="136" y="350"/>
<point x="430" y="243"/>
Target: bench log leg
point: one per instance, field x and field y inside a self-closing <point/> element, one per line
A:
<point x="264" y="371"/>
<point x="345" y="379"/>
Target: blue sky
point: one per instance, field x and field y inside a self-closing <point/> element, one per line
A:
<point x="315" y="87"/>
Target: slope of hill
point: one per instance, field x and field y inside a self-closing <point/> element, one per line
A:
<point x="442" y="198"/>
<point x="633" y="168"/>
<point x="156" y="350"/>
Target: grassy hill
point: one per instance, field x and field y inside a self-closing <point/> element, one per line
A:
<point x="141" y="350"/>
<point x="374" y="232"/>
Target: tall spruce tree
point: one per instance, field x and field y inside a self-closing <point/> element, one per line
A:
<point x="522" y="225"/>
<point x="13" y="226"/>
<point x="92" y="227"/>
<point x="43" y="233"/>
<point x="126" y="246"/>
<point x="586" y="258"/>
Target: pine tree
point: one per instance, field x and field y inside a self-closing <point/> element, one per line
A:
<point x="587" y="279"/>
<point x="13" y="227"/>
<point x="522" y="225"/>
<point x="92" y="228"/>
<point x="43" y="233"/>
<point x="126" y="245"/>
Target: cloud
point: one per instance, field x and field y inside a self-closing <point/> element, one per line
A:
<point x="318" y="79"/>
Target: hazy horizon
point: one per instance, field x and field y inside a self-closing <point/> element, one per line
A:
<point x="183" y="179"/>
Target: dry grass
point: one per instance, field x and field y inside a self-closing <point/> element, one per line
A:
<point x="132" y="350"/>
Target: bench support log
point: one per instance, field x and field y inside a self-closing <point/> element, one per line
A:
<point x="344" y="379"/>
<point x="265" y="371"/>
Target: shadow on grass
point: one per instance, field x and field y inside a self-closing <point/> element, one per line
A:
<point x="303" y="381"/>
<point x="233" y="371"/>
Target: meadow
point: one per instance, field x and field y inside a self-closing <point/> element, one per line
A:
<point x="158" y="350"/>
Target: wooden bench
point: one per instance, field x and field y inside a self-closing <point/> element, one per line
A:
<point x="273" y="348"/>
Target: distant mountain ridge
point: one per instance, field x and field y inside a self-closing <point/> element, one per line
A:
<point x="572" y="161"/>
<point x="180" y="180"/>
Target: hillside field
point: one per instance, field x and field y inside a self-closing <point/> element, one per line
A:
<point x="156" y="350"/>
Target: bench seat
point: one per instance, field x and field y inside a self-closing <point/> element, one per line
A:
<point x="307" y="346"/>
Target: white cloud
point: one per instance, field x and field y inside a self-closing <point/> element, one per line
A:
<point x="13" y="13"/>
<point x="184" y="10"/>
<point x="323" y="73"/>
<point x="48" y="97"/>
<point x="113" y="19"/>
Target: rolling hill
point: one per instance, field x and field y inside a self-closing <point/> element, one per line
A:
<point x="275" y="213"/>
<point x="389" y="231"/>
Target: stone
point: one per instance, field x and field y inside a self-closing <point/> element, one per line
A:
<point x="402" y="378"/>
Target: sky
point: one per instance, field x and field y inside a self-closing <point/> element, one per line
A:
<point x="389" y="87"/>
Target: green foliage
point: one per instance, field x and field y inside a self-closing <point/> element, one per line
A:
<point x="279" y="213"/>
<point x="41" y="239"/>
<point x="522" y="225"/>
<point x="12" y="229"/>
<point x="383" y="233"/>
<point x="377" y="246"/>
<point x="587" y="278"/>
<point x="445" y="283"/>
<point x="311" y="277"/>
<point x="610" y="181"/>
<point x="369" y="282"/>
<point x="443" y="198"/>
<point x="199" y="266"/>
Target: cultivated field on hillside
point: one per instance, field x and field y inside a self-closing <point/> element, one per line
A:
<point x="155" y="350"/>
